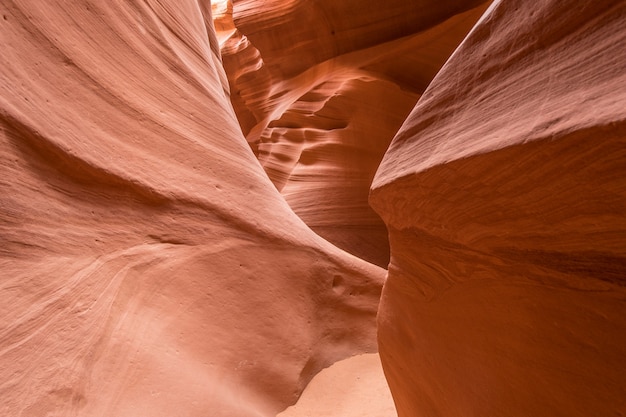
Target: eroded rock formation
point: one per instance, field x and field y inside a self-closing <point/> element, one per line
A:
<point x="152" y="266"/>
<point x="505" y="198"/>
<point x="149" y="266"/>
<point x="320" y="88"/>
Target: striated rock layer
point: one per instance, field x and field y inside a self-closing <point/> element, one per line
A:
<point x="320" y="88"/>
<point x="505" y="197"/>
<point x="148" y="264"/>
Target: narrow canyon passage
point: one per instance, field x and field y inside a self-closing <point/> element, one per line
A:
<point x="312" y="207"/>
<point x="320" y="115"/>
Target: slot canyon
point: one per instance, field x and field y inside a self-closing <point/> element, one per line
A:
<point x="312" y="208"/>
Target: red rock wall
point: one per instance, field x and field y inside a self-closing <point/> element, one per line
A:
<point x="504" y="194"/>
<point x="320" y="88"/>
<point x="149" y="266"/>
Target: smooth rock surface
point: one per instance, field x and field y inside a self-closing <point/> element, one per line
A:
<point x="149" y="266"/>
<point x="353" y="387"/>
<point x="505" y="197"/>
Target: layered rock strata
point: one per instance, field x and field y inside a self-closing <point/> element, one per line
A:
<point x="505" y="199"/>
<point x="320" y="88"/>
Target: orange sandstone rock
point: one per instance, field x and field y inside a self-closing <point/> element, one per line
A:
<point x="320" y="88"/>
<point x="149" y="266"/>
<point x="505" y="198"/>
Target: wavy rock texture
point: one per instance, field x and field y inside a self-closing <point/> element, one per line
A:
<point x="151" y="267"/>
<point x="148" y="264"/>
<point x="320" y="88"/>
<point x="504" y="194"/>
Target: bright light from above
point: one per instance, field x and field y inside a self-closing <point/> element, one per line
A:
<point x="220" y="7"/>
<point x="222" y="11"/>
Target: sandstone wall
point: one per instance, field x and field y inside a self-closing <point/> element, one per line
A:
<point x="505" y="197"/>
<point x="149" y="266"/>
<point x="320" y="88"/>
<point x="162" y="175"/>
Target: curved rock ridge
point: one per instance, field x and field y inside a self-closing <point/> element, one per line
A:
<point x="505" y="199"/>
<point x="149" y="266"/>
<point x="320" y="88"/>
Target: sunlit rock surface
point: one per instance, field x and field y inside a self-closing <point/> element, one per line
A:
<point x="320" y="88"/>
<point x="149" y="266"/>
<point x="505" y="198"/>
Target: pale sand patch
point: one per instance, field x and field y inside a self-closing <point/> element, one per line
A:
<point x="354" y="387"/>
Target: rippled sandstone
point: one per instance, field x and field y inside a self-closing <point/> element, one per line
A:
<point x="149" y="266"/>
<point x="504" y="195"/>
<point x="320" y="88"/>
<point x="152" y="266"/>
